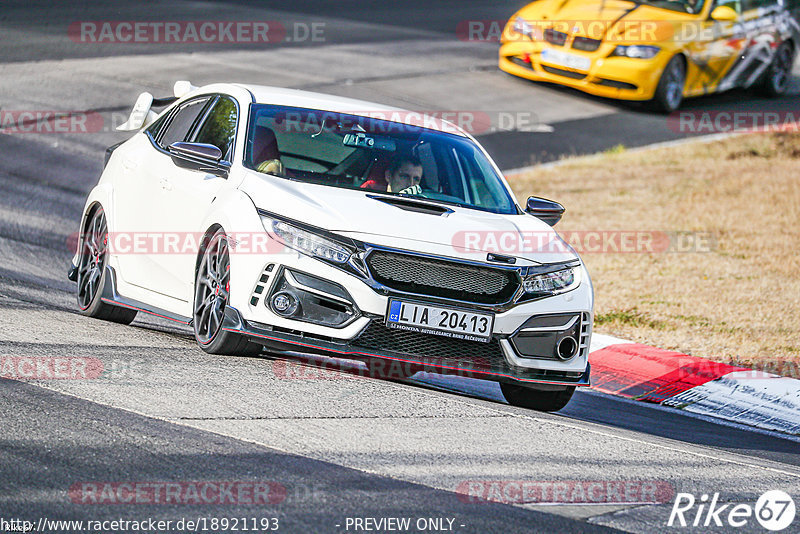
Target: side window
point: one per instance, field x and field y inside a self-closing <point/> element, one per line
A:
<point x="182" y="120"/>
<point x="754" y="4"/>
<point x="219" y="127"/>
<point x="736" y="5"/>
<point x="155" y="129"/>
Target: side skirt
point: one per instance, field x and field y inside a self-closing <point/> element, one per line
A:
<point x="112" y="297"/>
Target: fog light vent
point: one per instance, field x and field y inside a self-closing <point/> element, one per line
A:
<point x="308" y="298"/>
<point x="261" y="285"/>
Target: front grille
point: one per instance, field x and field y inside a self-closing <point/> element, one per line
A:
<point x="521" y="62"/>
<point x="586" y="44"/>
<point x="555" y="37"/>
<point x="442" y="278"/>
<point x="565" y="73"/>
<point x="431" y="348"/>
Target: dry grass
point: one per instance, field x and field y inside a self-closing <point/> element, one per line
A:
<point x="737" y="303"/>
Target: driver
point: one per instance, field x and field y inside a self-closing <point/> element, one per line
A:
<point x="403" y="175"/>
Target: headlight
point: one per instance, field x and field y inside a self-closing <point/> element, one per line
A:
<point x="636" y="51"/>
<point x="523" y="27"/>
<point x="551" y="283"/>
<point x="307" y="242"/>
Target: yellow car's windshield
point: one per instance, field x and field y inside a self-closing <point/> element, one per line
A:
<point x="683" y="6"/>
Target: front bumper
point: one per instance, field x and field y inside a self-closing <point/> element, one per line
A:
<point x="362" y="334"/>
<point x="362" y="347"/>
<point x="611" y="77"/>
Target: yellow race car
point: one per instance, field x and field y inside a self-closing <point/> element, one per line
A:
<point x="652" y="50"/>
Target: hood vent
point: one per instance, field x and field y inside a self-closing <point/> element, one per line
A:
<point x="413" y="205"/>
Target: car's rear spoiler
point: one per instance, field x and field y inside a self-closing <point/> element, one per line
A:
<point x="142" y="114"/>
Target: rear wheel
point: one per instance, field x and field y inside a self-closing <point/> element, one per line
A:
<point x="93" y="275"/>
<point x="212" y="288"/>
<point x="542" y="400"/>
<point x="776" y="78"/>
<point x="669" y="92"/>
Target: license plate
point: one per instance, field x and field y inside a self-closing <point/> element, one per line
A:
<point x="563" y="59"/>
<point x="441" y="321"/>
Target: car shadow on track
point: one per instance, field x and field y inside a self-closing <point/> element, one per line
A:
<point x="587" y="405"/>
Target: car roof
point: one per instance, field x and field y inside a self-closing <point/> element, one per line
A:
<point x="282" y="96"/>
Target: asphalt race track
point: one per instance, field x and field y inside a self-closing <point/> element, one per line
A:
<point x="335" y="445"/>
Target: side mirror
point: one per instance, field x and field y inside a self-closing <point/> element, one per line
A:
<point x="199" y="157"/>
<point x="546" y="210"/>
<point x="724" y="14"/>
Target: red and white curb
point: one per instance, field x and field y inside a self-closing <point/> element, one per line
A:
<point x="696" y="385"/>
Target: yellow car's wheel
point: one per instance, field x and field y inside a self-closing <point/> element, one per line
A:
<point x="776" y="78"/>
<point x="669" y="93"/>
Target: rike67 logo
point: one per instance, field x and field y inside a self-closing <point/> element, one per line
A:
<point x="774" y="510"/>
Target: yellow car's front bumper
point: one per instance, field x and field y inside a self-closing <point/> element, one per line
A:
<point x="612" y="77"/>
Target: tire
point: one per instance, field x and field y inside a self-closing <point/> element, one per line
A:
<point x="212" y="287"/>
<point x="93" y="275"/>
<point x="544" y="401"/>
<point x="776" y="78"/>
<point x="669" y="92"/>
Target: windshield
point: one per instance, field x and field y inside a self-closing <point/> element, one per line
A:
<point x="368" y="154"/>
<point x="683" y="6"/>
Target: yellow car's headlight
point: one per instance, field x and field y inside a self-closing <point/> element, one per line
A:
<point x="636" y="51"/>
<point x="524" y="27"/>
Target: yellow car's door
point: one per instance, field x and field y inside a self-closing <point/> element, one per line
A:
<point x="718" y="45"/>
<point x="760" y="27"/>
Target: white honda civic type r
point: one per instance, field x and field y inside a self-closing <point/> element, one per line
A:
<point x="302" y="222"/>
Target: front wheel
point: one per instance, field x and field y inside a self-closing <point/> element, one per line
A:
<point x="542" y="400"/>
<point x="776" y="78"/>
<point x="669" y="92"/>
<point x="211" y="294"/>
